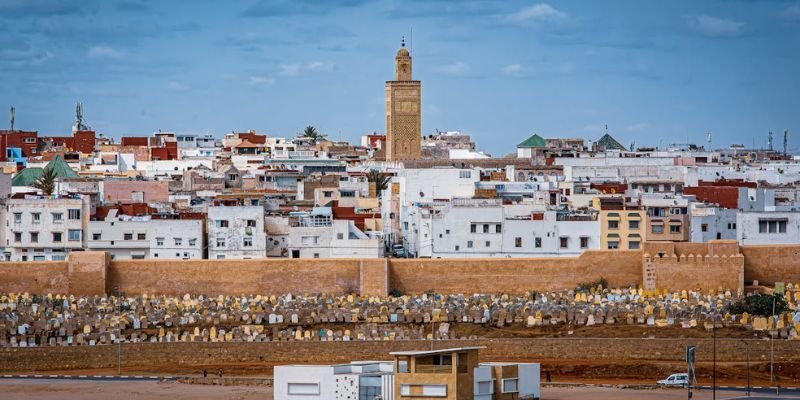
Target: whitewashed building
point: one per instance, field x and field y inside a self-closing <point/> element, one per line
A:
<point x="464" y="228"/>
<point x="318" y="235"/>
<point x="40" y="228"/>
<point x="354" y="381"/>
<point x="236" y="232"/>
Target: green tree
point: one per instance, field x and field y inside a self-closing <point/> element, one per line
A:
<point x="311" y="132"/>
<point x="47" y="182"/>
<point x="759" y="304"/>
<point x="381" y="181"/>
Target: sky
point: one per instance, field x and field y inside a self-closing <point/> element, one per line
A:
<point x="655" y="72"/>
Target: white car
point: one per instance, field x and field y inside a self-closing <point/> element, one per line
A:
<point x="681" y="380"/>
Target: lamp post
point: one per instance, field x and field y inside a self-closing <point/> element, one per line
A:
<point x="714" y="345"/>
<point x="747" y="358"/>
<point x="119" y="339"/>
<point x="772" y="345"/>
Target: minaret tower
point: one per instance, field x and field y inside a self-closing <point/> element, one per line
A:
<point x="403" y="121"/>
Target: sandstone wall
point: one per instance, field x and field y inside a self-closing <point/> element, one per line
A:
<point x="515" y="275"/>
<point x="192" y="356"/>
<point x="233" y="277"/>
<point x="34" y="277"/>
<point x="770" y="264"/>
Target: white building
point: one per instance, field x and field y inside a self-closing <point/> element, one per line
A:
<point x="768" y="227"/>
<point x="711" y="223"/>
<point x="236" y="232"/>
<point x="318" y="235"/>
<point x="466" y="228"/>
<point x="354" y="381"/>
<point x="42" y="228"/>
<point x="143" y="237"/>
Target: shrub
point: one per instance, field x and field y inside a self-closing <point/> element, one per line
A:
<point x="759" y="304"/>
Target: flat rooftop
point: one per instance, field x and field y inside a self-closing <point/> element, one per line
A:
<point x="439" y="351"/>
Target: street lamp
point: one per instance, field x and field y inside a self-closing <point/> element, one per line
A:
<point x="119" y="338"/>
<point x="747" y="361"/>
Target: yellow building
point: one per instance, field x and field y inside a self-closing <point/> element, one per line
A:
<point x="443" y="374"/>
<point x="622" y="226"/>
<point x="403" y="121"/>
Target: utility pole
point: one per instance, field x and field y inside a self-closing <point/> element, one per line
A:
<point x="772" y="345"/>
<point x="119" y="339"/>
<point x="714" y="368"/>
<point x="747" y="357"/>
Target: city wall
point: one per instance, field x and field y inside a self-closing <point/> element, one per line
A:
<point x="671" y="266"/>
<point x="192" y="357"/>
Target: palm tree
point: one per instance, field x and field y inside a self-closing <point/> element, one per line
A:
<point x="311" y="132"/>
<point x="381" y="181"/>
<point x="46" y="182"/>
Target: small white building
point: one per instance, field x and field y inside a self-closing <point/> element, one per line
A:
<point x="464" y="228"/>
<point x="318" y="235"/>
<point x="711" y="223"/>
<point x="142" y="237"/>
<point x="355" y="381"/>
<point x="236" y="232"/>
<point x="40" y="228"/>
<point x="768" y="227"/>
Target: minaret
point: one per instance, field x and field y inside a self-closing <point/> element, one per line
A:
<point x="403" y="121"/>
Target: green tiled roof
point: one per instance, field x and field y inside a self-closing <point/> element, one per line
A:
<point x="28" y="176"/>
<point x="609" y="143"/>
<point x="533" y="141"/>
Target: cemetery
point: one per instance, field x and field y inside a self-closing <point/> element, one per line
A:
<point x="29" y="320"/>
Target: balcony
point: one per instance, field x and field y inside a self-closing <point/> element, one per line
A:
<point x="433" y="369"/>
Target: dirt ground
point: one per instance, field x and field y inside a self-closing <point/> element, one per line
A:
<point x="57" y="390"/>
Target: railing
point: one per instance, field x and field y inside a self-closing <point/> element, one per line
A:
<point x="433" y="369"/>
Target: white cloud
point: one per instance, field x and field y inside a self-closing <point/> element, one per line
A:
<point x="713" y="26"/>
<point x="104" y="52"/>
<point x="536" y="12"/>
<point x="178" y="87"/>
<point x="261" y="81"/>
<point x="513" y="69"/>
<point x="456" y="68"/>
<point x="289" y="69"/>
<point x="793" y="12"/>
<point x="297" y="69"/>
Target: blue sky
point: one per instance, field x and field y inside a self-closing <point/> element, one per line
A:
<point x="655" y="72"/>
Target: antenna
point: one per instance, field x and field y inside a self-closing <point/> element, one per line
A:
<point x="769" y="140"/>
<point x="12" y="117"/>
<point x="708" y="139"/>
<point x="785" y="142"/>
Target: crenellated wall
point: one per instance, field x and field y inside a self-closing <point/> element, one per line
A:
<point x="661" y="265"/>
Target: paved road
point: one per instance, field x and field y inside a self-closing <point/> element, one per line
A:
<point x="93" y="377"/>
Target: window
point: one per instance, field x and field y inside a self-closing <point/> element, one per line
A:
<point x="510" y="385"/>
<point x="732" y="226"/>
<point x="613" y="224"/>
<point x="96" y="236"/>
<point x="424" y="390"/>
<point x="704" y="227"/>
<point x="464" y="174"/>
<point x="674" y="229"/>
<point x="59" y="257"/>
<point x="128" y="236"/>
<point x="457" y="247"/>
<point x="178" y="241"/>
<point x="537" y="242"/>
<point x="347" y="193"/>
<point x="221" y="223"/>
<point x="327" y="193"/>
<point x="469" y="244"/>
<point x="447" y="231"/>
<point x="34" y="237"/>
<point x="36" y="217"/>
<point x="584" y="242"/>
<point x="57" y="236"/>
<point x="74" y="213"/>
<point x="772" y="225"/>
<point x="473" y="228"/>
<point x="658" y="229"/>
<point x="518" y="242"/>
<point x="137" y="256"/>
<point x="17" y="217"/>
<point x="488" y="243"/>
<point x="233" y="177"/>
<point x="159" y="241"/>
<point x="220" y="242"/>
<point x="30" y="140"/>
<point x="564" y="242"/>
<point x="633" y="245"/>
<point x="633" y="224"/>
<point x="613" y="245"/>
<point x="141" y="236"/>
<point x="302" y="388"/>
<point x="485" y="228"/>
<point x="192" y="242"/>
<point x="498" y="228"/>
<point x="251" y="223"/>
<point x="316" y="255"/>
<point x="74" y="235"/>
<point x="247" y="242"/>
<point x="340" y="236"/>
<point x="484" y="387"/>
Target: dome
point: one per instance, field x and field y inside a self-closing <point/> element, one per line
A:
<point x="403" y="52"/>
